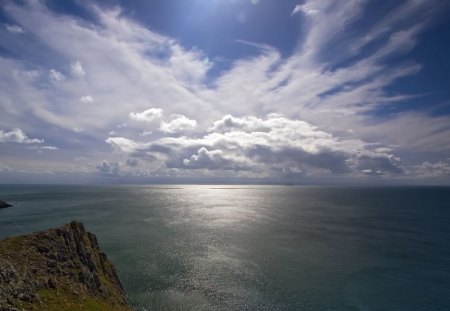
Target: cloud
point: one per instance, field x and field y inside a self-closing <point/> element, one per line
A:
<point x="214" y="160"/>
<point x="14" y="28"/>
<point x="109" y="169"/>
<point x="132" y="162"/>
<point x="305" y="8"/>
<point x="49" y="148"/>
<point x="17" y="136"/>
<point x="179" y="123"/>
<point x="271" y="144"/>
<point x="148" y="115"/>
<point x="55" y="75"/>
<point x="437" y="169"/>
<point x="5" y="169"/>
<point x="336" y="101"/>
<point x="296" y="9"/>
<point x="247" y="124"/>
<point x="87" y="99"/>
<point x="123" y="144"/>
<point x="145" y="133"/>
<point x="77" y="69"/>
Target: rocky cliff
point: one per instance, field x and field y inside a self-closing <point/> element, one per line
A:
<point x="58" y="269"/>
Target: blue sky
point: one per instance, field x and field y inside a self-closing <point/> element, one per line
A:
<point x="323" y="91"/>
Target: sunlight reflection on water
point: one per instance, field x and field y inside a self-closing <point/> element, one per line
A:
<point x="258" y="247"/>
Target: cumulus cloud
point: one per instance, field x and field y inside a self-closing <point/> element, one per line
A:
<point x="229" y="122"/>
<point x="270" y="144"/>
<point x="179" y="123"/>
<point x="437" y="169"/>
<point x="109" y="169"/>
<point x="215" y="160"/>
<point x="17" y="136"/>
<point x="329" y="126"/>
<point x="77" y="69"/>
<point x="148" y="115"/>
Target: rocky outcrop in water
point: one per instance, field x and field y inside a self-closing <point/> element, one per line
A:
<point x="3" y="204"/>
<point x="58" y="269"/>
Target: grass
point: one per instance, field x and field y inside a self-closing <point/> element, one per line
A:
<point x="61" y="300"/>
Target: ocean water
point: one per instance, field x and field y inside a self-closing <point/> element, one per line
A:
<point x="258" y="247"/>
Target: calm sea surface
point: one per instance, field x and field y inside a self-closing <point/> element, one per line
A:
<point x="258" y="247"/>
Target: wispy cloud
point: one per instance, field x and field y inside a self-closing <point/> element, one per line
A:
<point x="162" y="90"/>
<point x="77" y="69"/>
<point x="14" y="28"/>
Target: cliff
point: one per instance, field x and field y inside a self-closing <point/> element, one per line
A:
<point x="58" y="269"/>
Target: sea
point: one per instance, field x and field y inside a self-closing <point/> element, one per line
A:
<point x="213" y="247"/>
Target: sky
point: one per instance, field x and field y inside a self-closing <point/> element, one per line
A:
<point x="225" y="91"/>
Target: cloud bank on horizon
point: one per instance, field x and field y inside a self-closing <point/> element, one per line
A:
<point x="355" y="91"/>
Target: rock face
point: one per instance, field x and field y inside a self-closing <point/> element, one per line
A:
<point x="58" y="269"/>
<point x="3" y="204"/>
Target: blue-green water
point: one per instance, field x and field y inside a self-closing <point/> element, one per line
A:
<point x="258" y="247"/>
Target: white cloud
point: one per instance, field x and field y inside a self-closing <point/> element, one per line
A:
<point x="284" y="143"/>
<point x="77" y="69"/>
<point x="123" y="144"/>
<point x="305" y="8"/>
<point x="179" y="123"/>
<point x="87" y="99"/>
<point x="437" y="169"/>
<point x="296" y="9"/>
<point x="229" y="122"/>
<point x="148" y="115"/>
<point x="55" y="75"/>
<point x="130" y="66"/>
<point x="145" y="133"/>
<point x="17" y="136"/>
<point x="216" y="160"/>
<point x="14" y="28"/>
<point x="49" y="148"/>
<point x="5" y="169"/>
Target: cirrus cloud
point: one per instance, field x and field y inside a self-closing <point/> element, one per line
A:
<point x="306" y="113"/>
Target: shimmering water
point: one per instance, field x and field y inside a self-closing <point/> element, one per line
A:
<point x="258" y="247"/>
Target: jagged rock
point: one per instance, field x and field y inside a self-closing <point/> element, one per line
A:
<point x="3" y="204"/>
<point x="60" y="267"/>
